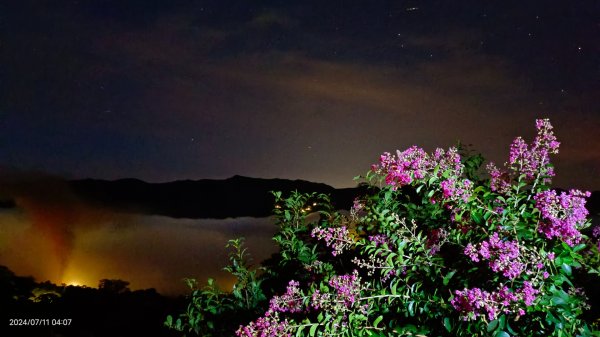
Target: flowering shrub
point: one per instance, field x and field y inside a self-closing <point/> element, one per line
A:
<point x="433" y="250"/>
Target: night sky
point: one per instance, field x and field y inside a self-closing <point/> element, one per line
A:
<point x="315" y="90"/>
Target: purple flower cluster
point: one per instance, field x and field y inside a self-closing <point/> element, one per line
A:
<point x="388" y="275"/>
<point x="415" y="164"/>
<point x="596" y="234"/>
<point x="531" y="161"/>
<point x="319" y="300"/>
<point x="596" y="231"/>
<point x="291" y="301"/>
<point x="337" y="238"/>
<point x="529" y="293"/>
<point x="523" y="159"/>
<point x="500" y="180"/>
<point x="357" y="209"/>
<point x="267" y="326"/>
<point x="447" y="160"/>
<point x="378" y="239"/>
<point x="562" y="214"/>
<point x="457" y="190"/>
<point x="473" y="303"/>
<point x="435" y="240"/>
<point x="410" y="164"/>
<point x="503" y="256"/>
<point x="347" y="287"/>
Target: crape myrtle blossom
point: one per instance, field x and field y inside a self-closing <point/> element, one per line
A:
<point x="379" y="239"/>
<point x="337" y="238"/>
<point x="347" y="287"/>
<point x="435" y="239"/>
<point x="499" y="180"/>
<point x="357" y="210"/>
<point x="596" y="234"/>
<point x="268" y="326"/>
<point x="503" y="256"/>
<point x="562" y="215"/>
<point x="457" y="190"/>
<point x="532" y="162"/>
<point x="414" y="164"/>
<point x="291" y="301"/>
<point x="347" y="290"/>
<point x="475" y="302"/>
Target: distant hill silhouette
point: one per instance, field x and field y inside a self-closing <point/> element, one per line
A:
<point x="233" y="197"/>
<point x="209" y="198"/>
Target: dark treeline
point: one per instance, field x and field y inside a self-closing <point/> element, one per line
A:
<point x="112" y="309"/>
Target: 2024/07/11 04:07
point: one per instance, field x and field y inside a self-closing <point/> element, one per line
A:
<point x="39" y="322"/>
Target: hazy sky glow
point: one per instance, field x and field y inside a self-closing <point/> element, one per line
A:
<point x="316" y="90"/>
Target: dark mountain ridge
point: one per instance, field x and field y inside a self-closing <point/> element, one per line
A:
<point x="237" y="196"/>
<point x="207" y="198"/>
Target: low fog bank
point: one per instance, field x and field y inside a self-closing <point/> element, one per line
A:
<point x="148" y="251"/>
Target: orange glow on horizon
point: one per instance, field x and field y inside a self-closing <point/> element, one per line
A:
<point x="74" y="277"/>
<point x="73" y="283"/>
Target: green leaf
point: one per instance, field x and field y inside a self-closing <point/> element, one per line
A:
<point x="411" y="308"/>
<point x="566" y="269"/>
<point x="502" y="334"/>
<point x="448" y="276"/>
<point x="558" y="301"/>
<point x="313" y="329"/>
<point x="393" y="287"/>
<point x="502" y="323"/>
<point x="447" y="324"/>
<point x="299" y="331"/>
<point x="492" y="325"/>
<point x="377" y="320"/>
<point x="510" y="329"/>
<point x="457" y="217"/>
<point x="476" y="217"/>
